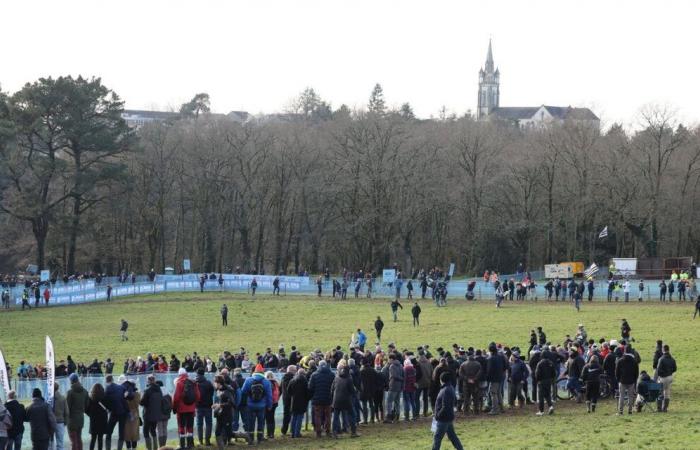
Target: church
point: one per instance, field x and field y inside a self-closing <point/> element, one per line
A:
<point x="528" y="116"/>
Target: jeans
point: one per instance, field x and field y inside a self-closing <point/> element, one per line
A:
<point x="15" y="442"/>
<point x="409" y="403"/>
<point x="256" y="415"/>
<point x="392" y="403"/>
<point x="449" y="429"/>
<point x="368" y="410"/>
<point x="629" y="390"/>
<point x="297" y="421"/>
<point x="347" y="418"/>
<point x="59" y="437"/>
<point x="203" y="418"/>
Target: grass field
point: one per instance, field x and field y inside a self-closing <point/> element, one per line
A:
<point x="183" y="323"/>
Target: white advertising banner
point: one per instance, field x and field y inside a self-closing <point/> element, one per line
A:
<point x="50" y="370"/>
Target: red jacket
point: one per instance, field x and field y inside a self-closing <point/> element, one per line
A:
<point x="179" y="405"/>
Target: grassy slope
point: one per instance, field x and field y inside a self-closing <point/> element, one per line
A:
<point x="190" y="322"/>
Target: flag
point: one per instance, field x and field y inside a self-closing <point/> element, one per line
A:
<point x="591" y="270"/>
<point x="50" y="371"/>
<point x="3" y="375"/>
<point x="603" y="233"/>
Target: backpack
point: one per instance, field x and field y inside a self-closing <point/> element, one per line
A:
<point x="188" y="395"/>
<point x="165" y="405"/>
<point x="257" y="390"/>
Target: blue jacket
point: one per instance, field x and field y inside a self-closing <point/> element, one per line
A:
<point x="320" y="386"/>
<point x="361" y="338"/>
<point x="518" y="372"/>
<point x="264" y="403"/>
<point x="445" y="404"/>
<point x="114" y="398"/>
<point x="495" y="368"/>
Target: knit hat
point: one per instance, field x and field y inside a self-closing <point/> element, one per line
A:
<point x="259" y="368"/>
<point x="73" y="378"/>
<point x="36" y="393"/>
<point x="181" y="371"/>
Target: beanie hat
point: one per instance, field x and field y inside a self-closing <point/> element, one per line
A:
<point x="36" y="393"/>
<point x="181" y="371"/>
<point x="259" y="368"/>
<point x="73" y="378"/>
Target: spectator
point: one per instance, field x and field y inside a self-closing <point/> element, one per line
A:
<point x="18" y="414"/>
<point x="258" y="393"/>
<point x="78" y="401"/>
<point x="664" y="374"/>
<point x="184" y="405"/>
<point x="299" y="398"/>
<point x="320" y="390"/>
<point x="152" y="402"/>
<point x="444" y="415"/>
<point x="41" y="420"/>
<point x="342" y="391"/>
<point x="204" y="408"/>
<point x="626" y="373"/>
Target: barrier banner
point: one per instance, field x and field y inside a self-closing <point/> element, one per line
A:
<point x="3" y="375"/>
<point x="50" y="371"/>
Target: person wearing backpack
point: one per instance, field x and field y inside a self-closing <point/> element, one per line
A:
<point x="184" y="406"/>
<point x="166" y="407"/>
<point x="18" y="413"/>
<point x="258" y="393"/>
<point x="204" y="412"/>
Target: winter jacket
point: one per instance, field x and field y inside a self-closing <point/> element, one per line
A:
<point x="266" y="402"/>
<point x="114" y="399"/>
<point x="41" y="420"/>
<point x="626" y="369"/>
<point x="409" y="373"/>
<point x="5" y="421"/>
<point x="575" y="366"/>
<point x="545" y="371"/>
<point x="226" y="398"/>
<point x="320" y="386"/>
<point x="179" y="405"/>
<point x="299" y="394"/>
<point x="518" y="371"/>
<point x="591" y="373"/>
<point x="152" y="401"/>
<point x="284" y="386"/>
<point x="469" y="370"/>
<point x="396" y="376"/>
<point x="77" y="400"/>
<point x="426" y="370"/>
<point x="445" y="404"/>
<point x="342" y="390"/>
<point x="19" y="414"/>
<point x="131" y="428"/>
<point x="667" y="366"/>
<point x="368" y="383"/>
<point x="494" y="368"/>
<point x="97" y="412"/>
<point x="206" y="392"/>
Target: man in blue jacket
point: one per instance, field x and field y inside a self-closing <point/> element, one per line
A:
<point x="495" y="369"/>
<point x="445" y="414"/>
<point x="118" y="410"/>
<point x="321" y="397"/>
<point x="258" y="393"/>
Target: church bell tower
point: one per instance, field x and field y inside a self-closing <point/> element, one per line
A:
<point x="488" y="87"/>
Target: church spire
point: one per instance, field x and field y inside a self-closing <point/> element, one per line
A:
<point x="489" y="59"/>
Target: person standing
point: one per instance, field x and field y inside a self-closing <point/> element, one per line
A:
<point x="395" y="376"/>
<point x="626" y="373"/>
<point x="224" y="403"/>
<point x="361" y="339"/>
<point x="109" y="292"/>
<point x="41" y="420"/>
<point x="60" y="410"/>
<point x="166" y="409"/>
<point x="276" y="286"/>
<point x="415" y="312"/>
<point x="395" y="305"/>
<point x="409" y="288"/>
<point x="299" y="399"/>
<point x="641" y="290"/>
<point x="78" y="401"/>
<point x="97" y="412"/>
<point x="25" y="299"/>
<point x="47" y="296"/>
<point x="115" y="400"/>
<point x="131" y="428"/>
<point x="664" y="374"/>
<point x="6" y="423"/>
<point x="545" y="374"/>
<point x="409" y="391"/>
<point x="662" y="291"/>
<point x="378" y="327"/>
<point x="224" y="315"/>
<point x="253" y="286"/>
<point x="123" y="329"/>
<point x="590" y="375"/>
<point x="591" y="288"/>
<point x="444" y="414"/>
<point x="258" y="392"/>
<point x="204" y="408"/>
<point x="184" y="406"/>
<point x="19" y="414"/>
<point x="626" y="289"/>
<point x="286" y="400"/>
<point x="320" y="391"/>
<point x="152" y="402"/>
<point x="342" y="391"/>
<point x="270" y="412"/>
<point x="697" y="307"/>
<point x="319" y="285"/>
<point x="495" y="368"/>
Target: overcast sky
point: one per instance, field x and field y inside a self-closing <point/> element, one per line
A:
<point x="612" y="56"/>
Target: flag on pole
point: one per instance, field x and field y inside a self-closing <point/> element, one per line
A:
<point x="591" y="270"/>
<point x="4" y="379"/>
<point x="603" y="233"/>
<point x="50" y="371"/>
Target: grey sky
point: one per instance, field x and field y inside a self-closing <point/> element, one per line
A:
<point x="612" y="56"/>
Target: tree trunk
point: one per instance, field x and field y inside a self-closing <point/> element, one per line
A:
<point x="73" y="235"/>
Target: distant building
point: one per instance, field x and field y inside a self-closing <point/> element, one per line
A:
<point x="137" y="118"/>
<point x="488" y="107"/>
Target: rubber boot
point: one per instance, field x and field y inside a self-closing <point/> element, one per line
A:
<point x="666" y="402"/>
<point x="190" y="442"/>
<point x="183" y="445"/>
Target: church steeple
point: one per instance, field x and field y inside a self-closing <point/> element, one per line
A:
<point x="489" y="82"/>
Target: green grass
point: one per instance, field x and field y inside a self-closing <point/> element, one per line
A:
<point x="183" y="323"/>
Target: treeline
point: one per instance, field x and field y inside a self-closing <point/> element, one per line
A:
<point x="320" y="188"/>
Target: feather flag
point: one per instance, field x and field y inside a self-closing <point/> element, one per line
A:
<point x="603" y="233"/>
